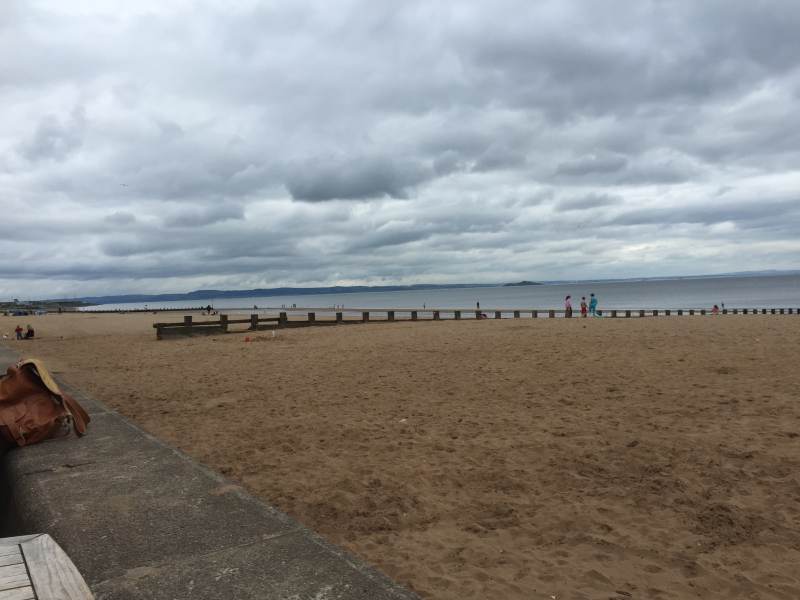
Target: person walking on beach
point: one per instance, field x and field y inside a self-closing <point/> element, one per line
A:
<point x="584" y="307"/>
<point x="592" y="305"/>
<point x="18" y="331"/>
<point x="568" y="307"/>
<point x="477" y="305"/>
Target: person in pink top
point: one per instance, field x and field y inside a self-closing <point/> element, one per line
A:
<point x="568" y="306"/>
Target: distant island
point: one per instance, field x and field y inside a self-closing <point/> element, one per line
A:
<point x="522" y="283"/>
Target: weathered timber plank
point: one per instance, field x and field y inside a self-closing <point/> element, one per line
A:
<point x="20" y="593"/>
<point x="13" y="576"/>
<point x="11" y="559"/>
<point x="52" y="572"/>
<point x="16" y="540"/>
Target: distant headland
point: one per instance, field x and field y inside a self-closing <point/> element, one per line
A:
<point x="521" y="283"/>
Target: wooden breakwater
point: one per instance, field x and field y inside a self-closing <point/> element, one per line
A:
<point x="256" y="322"/>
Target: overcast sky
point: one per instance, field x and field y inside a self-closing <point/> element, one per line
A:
<point x="167" y="146"/>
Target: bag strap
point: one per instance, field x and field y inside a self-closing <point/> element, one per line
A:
<point x="79" y="416"/>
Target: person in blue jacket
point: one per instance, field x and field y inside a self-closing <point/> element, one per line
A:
<point x="593" y="305"/>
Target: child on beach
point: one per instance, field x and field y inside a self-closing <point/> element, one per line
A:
<point x="584" y="307"/>
<point x="568" y="306"/>
<point x="18" y="331"/>
<point x="593" y="305"/>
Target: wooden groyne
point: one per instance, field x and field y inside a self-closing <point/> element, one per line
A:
<point x="256" y="322"/>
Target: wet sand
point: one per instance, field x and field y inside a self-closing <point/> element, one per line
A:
<point x="514" y="459"/>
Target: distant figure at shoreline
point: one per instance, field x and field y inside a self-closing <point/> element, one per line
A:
<point x="593" y="305"/>
<point x="715" y="310"/>
<point x="568" y="306"/>
<point x="477" y="305"/>
<point x="584" y="307"/>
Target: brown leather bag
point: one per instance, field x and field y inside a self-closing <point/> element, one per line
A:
<point x="33" y="408"/>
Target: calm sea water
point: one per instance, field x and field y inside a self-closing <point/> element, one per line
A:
<point x="780" y="291"/>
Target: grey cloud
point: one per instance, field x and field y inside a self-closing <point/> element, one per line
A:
<point x="55" y="138"/>
<point x="216" y="144"/>
<point x="592" y="164"/>
<point x="587" y="202"/>
<point x="355" y="178"/>
<point x="760" y="213"/>
<point x="199" y="217"/>
<point x="120" y="218"/>
<point x="499" y="156"/>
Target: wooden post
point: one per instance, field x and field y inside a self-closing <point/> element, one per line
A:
<point x="552" y="314"/>
<point x="772" y="311"/>
<point x="534" y="314"/>
<point x="477" y="315"/>
<point x="187" y="321"/>
<point x="790" y="311"/>
<point x="655" y="313"/>
<point x="339" y="317"/>
<point x="667" y="312"/>
<point x="516" y="314"/>
<point x="413" y="315"/>
<point x="457" y="314"/>
<point x="223" y="322"/>
<point x="390" y="315"/>
<point x="365" y="316"/>
<point x="627" y="314"/>
<point x="312" y="317"/>
<point x="691" y="312"/>
<point x="253" y="322"/>
<point x="498" y="314"/>
<point x="703" y="311"/>
<point x="158" y="333"/>
<point x="436" y="316"/>
<point x="282" y="319"/>
<point x="736" y="311"/>
<point x="613" y="314"/>
<point x="744" y="311"/>
<point x="763" y="311"/>
<point x="641" y="313"/>
<point x="781" y="311"/>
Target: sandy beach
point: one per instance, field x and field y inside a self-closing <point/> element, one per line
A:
<point x="652" y="458"/>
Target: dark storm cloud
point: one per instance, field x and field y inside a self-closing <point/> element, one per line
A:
<point x="163" y="146"/>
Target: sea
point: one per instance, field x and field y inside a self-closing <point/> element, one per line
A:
<point x="758" y="291"/>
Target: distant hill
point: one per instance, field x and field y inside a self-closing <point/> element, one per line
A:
<point x="205" y="295"/>
<point x="521" y="283"/>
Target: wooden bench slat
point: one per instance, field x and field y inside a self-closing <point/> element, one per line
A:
<point x="11" y="559"/>
<point x="20" y="593"/>
<point x="13" y="576"/>
<point x="10" y="551"/>
<point x="16" y="540"/>
<point x="52" y="572"/>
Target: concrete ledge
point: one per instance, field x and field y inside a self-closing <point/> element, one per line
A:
<point x="142" y="520"/>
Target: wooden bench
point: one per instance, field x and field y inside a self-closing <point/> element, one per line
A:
<point x="34" y="567"/>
